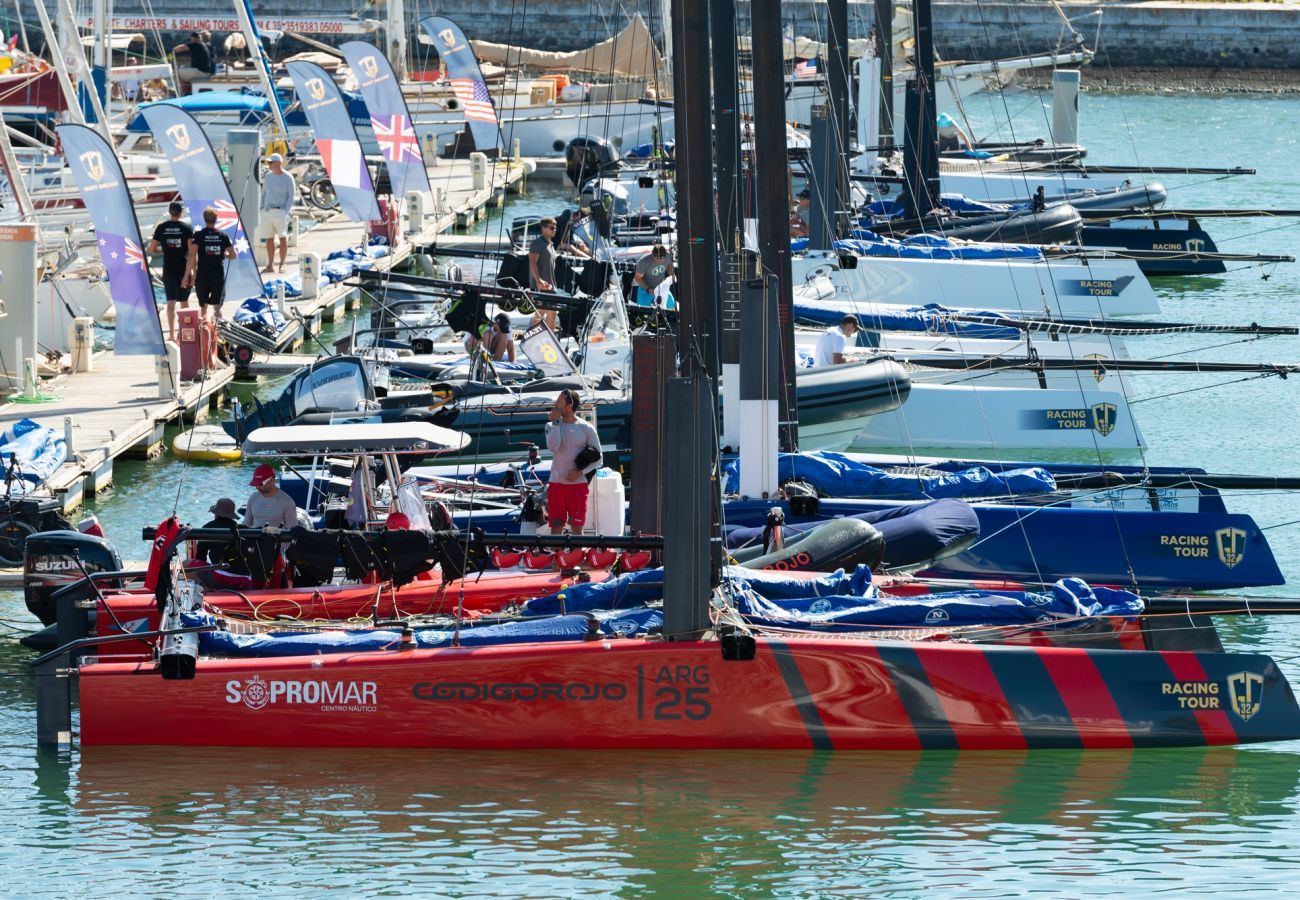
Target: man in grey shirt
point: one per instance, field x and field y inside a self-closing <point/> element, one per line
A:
<point x="541" y="267"/>
<point x="269" y="506"/>
<point x="278" y="192"/>
<point x="541" y="257"/>
<point x="652" y="270"/>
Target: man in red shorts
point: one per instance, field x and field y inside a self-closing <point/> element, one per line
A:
<point x="566" y="437"/>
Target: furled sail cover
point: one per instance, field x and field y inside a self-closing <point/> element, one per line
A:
<point x="629" y="54"/>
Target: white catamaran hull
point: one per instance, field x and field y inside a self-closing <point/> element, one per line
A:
<point x="992" y="186"/>
<point x="1061" y="287"/>
<point x="962" y="417"/>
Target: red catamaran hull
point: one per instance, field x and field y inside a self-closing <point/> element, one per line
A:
<point x="800" y="693"/>
<point x="486" y="593"/>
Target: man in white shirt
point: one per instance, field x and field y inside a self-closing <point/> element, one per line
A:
<point x="833" y="343"/>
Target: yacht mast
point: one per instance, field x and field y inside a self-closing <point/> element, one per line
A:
<point x="258" y="52"/>
<point x="395" y="29"/>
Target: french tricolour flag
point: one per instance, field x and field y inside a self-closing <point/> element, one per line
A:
<point x="344" y="161"/>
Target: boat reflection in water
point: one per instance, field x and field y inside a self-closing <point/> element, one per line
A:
<point x="551" y="821"/>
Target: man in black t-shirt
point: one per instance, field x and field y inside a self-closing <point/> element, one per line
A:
<point x="206" y="270"/>
<point x="172" y="239"/>
<point x="199" y="64"/>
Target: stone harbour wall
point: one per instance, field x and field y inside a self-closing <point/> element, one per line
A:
<point x="1257" y="35"/>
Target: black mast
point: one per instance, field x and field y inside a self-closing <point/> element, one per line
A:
<point x="772" y="176"/>
<point x="920" y="133"/>
<point x="692" y="542"/>
<point x="730" y="213"/>
<point x="837" y="88"/>
<point x="885" y="53"/>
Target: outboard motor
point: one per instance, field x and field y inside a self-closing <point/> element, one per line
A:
<point x="51" y="562"/>
<point x="588" y="157"/>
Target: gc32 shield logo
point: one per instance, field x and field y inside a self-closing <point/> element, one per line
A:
<point x="1231" y="544"/>
<point x="1103" y="418"/>
<point x="93" y="162"/>
<point x="179" y="135"/>
<point x="315" y="87"/>
<point x="1246" y="693"/>
<point x="369" y="65"/>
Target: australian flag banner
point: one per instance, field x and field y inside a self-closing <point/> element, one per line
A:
<point x="389" y="116"/>
<point x="103" y="188"/>
<point x="466" y="80"/>
<point x="201" y="184"/>
<point x="336" y="139"/>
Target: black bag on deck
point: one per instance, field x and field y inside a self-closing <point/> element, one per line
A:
<point x="458" y="553"/>
<point x="314" y="555"/>
<point x="466" y="312"/>
<point x="514" y="271"/>
<point x="405" y="555"/>
<point x="359" y="557"/>
<point x="259" y="555"/>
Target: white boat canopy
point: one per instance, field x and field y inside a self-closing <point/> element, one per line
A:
<point x="421" y="438"/>
<point x="116" y="41"/>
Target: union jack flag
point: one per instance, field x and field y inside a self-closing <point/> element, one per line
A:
<point x="475" y="99"/>
<point x="227" y="215"/>
<point x="134" y="256"/>
<point x="396" y="137"/>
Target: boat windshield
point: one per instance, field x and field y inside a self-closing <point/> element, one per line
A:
<point x="607" y="337"/>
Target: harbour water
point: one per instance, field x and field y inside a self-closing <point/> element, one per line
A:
<point x="291" y="822"/>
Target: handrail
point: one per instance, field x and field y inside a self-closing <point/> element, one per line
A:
<point x="117" y="638"/>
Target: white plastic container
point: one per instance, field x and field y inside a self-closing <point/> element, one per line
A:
<point x="606" y="507"/>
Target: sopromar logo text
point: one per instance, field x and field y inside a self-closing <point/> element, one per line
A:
<point x="329" y="696"/>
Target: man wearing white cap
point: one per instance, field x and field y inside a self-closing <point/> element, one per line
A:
<point x="278" y="192"/>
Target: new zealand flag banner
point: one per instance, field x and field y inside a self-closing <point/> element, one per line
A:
<point x="389" y="116"/>
<point x="103" y="188"/>
<point x="336" y="139"/>
<point x="201" y="184"/>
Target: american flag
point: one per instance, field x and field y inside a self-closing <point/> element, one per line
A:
<point x="806" y="68"/>
<point x="396" y="137"/>
<point x="474" y="98"/>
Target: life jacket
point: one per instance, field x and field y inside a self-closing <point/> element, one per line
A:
<point x="164" y="537"/>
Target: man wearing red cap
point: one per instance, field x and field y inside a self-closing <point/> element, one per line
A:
<point x="269" y="505"/>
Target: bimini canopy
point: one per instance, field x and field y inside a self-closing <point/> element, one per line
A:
<point x="629" y="54"/>
<point x="248" y="105"/>
<point x="116" y="41"/>
<point x="421" y="438"/>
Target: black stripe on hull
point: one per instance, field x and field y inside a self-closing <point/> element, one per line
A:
<point x="919" y="699"/>
<point x="1033" y="699"/>
<point x="803" y="701"/>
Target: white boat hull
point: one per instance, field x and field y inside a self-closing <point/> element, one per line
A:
<point x="962" y="417"/>
<point x="1063" y="287"/>
<point x="976" y="183"/>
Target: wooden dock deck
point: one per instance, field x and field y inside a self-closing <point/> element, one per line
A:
<point x="112" y="411"/>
